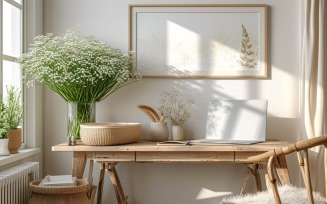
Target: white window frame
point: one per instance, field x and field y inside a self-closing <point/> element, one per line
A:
<point x="33" y="96"/>
<point x="8" y="58"/>
<point x="32" y="20"/>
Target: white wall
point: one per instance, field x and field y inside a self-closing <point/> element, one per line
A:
<point x="177" y="183"/>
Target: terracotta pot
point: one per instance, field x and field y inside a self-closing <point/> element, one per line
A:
<point x="15" y="140"/>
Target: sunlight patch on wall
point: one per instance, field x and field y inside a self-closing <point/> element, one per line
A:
<point x="281" y="96"/>
<point x="223" y="55"/>
<point x="183" y="48"/>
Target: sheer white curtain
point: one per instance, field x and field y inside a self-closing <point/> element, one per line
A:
<point x="314" y="92"/>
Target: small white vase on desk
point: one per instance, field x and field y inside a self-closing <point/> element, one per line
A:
<point x="4" y="147"/>
<point x="178" y="132"/>
<point x="159" y="131"/>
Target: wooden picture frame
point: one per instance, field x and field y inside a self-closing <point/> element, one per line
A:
<point x="199" y="41"/>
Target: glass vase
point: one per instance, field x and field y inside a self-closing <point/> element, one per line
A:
<point x="79" y="113"/>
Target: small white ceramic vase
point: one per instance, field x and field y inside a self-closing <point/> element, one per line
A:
<point x="178" y="132"/>
<point x="159" y="131"/>
<point x="4" y="147"/>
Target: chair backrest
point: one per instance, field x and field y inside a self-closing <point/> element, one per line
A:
<point x="301" y="148"/>
<point x="298" y="146"/>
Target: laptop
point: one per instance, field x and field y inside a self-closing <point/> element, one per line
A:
<point x="236" y="122"/>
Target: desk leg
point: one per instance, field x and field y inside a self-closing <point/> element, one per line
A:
<point x="254" y="169"/>
<point x="282" y="170"/>
<point x="256" y="175"/>
<point x="79" y="162"/>
<point x="245" y="179"/>
<point x="116" y="184"/>
<point x="100" y="185"/>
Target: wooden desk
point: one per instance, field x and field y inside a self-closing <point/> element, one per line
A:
<point x="144" y="151"/>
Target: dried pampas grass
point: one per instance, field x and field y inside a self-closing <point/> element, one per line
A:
<point x="151" y="113"/>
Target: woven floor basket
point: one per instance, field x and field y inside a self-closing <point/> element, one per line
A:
<point x="59" y="194"/>
<point x="103" y="134"/>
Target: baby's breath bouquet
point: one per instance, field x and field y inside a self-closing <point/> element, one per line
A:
<point x="174" y="107"/>
<point x="79" y="68"/>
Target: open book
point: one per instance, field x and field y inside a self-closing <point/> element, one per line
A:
<point x="60" y="180"/>
<point x="207" y="142"/>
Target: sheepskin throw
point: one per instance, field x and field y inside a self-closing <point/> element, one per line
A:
<point x="288" y="194"/>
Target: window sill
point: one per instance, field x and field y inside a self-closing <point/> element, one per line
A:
<point x="24" y="153"/>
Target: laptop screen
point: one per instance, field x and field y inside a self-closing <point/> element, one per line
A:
<point x="237" y="121"/>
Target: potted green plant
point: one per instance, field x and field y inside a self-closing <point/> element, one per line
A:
<point x="3" y="131"/>
<point x="13" y="117"/>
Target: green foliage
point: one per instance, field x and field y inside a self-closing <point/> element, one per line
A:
<point x="78" y="68"/>
<point x="14" y="107"/>
<point x="11" y="111"/>
<point x="248" y="56"/>
<point x="3" y="123"/>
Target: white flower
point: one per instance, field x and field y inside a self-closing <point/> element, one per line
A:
<point x="79" y="68"/>
<point x="174" y="107"/>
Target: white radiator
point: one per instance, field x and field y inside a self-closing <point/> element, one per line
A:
<point x="14" y="182"/>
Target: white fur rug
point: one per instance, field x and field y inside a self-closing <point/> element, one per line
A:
<point x="288" y="195"/>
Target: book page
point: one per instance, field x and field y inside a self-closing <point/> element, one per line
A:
<point x="60" y="180"/>
<point x="174" y="142"/>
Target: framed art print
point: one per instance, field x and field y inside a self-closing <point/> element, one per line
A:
<point x="199" y="41"/>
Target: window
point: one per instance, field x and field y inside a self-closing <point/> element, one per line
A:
<point x="11" y="44"/>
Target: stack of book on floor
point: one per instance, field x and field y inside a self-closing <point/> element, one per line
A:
<point x="60" y="180"/>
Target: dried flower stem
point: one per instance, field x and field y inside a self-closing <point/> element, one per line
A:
<point x="150" y="112"/>
<point x="174" y="107"/>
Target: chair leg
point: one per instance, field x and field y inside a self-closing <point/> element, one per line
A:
<point x="268" y="183"/>
<point x="304" y="166"/>
<point x="273" y="180"/>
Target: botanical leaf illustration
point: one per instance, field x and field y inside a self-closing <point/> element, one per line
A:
<point x="248" y="52"/>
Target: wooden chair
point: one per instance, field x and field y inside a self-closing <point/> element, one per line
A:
<point x="302" y="153"/>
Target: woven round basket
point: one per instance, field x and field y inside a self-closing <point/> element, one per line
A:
<point x="59" y="194"/>
<point x="103" y="134"/>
